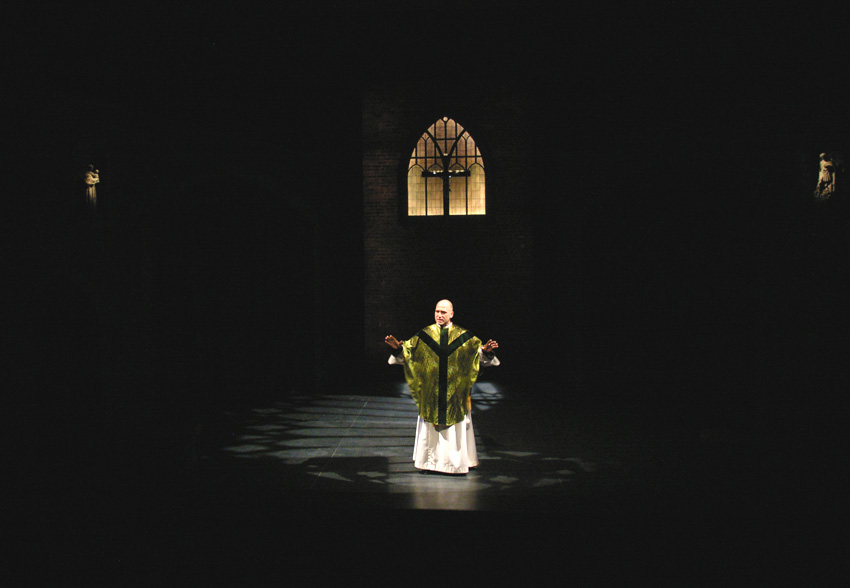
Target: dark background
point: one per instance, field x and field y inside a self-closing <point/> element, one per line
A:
<point x="681" y="262"/>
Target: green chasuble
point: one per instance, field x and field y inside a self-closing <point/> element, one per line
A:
<point x="440" y="366"/>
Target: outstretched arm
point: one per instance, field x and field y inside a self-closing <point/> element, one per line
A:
<point x="487" y="352"/>
<point x="397" y="356"/>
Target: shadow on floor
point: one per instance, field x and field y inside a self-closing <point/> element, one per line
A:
<point x="314" y="488"/>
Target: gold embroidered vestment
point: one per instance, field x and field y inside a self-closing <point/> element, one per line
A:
<point x="440" y="366"/>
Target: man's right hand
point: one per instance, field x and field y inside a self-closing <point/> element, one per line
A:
<point x="392" y="342"/>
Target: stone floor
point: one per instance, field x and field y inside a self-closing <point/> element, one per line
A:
<point x="323" y="487"/>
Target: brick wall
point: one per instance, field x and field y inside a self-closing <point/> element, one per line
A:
<point x="483" y="264"/>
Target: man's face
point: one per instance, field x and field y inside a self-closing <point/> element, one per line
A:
<point x="443" y="313"/>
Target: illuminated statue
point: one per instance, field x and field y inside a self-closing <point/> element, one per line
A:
<point x="827" y="179"/>
<point x="92" y="177"/>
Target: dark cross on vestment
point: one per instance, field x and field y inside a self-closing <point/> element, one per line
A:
<point x="444" y="350"/>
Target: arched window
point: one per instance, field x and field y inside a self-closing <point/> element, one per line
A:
<point x="446" y="173"/>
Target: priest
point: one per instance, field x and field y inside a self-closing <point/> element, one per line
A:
<point x="441" y="363"/>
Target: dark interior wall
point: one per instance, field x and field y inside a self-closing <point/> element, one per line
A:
<point x="209" y="274"/>
<point x="677" y="246"/>
<point x="675" y="259"/>
<point x="236" y="278"/>
<point x="699" y="247"/>
<point x="482" y="263"/>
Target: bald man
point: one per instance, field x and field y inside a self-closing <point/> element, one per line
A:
<point x="441" y="363"/>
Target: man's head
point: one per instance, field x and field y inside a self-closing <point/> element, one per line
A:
<point x="443" y="313"/>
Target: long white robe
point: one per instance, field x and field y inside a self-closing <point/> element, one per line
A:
<point x="450" y="450"/>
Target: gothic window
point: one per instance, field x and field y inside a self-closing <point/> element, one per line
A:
<point x="446" y="173"/>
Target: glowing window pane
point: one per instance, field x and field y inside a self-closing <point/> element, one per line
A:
<point x="475" y="198"/>
<point x="457" y="200"/>
<point x="446" y="145"/>
<point x="460" y="149"/>
<point x="435" y="196"/>
<point x="415" y="192"/>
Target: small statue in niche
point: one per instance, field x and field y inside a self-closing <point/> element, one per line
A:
<point x="91" y="177"/>
<point x="827" y="184"/>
